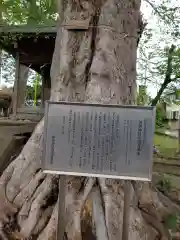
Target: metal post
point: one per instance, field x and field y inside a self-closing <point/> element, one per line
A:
<point x="61" y="209"/>
<point x="126" y="210"/>
<point x="62" y="180"/>
<point x="127" y="194"/>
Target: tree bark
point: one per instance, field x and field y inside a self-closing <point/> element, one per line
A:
<point x="95" y="66"/>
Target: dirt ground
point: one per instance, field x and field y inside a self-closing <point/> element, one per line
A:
<point x="13" y="135"/>
<point x="10" y="127"/>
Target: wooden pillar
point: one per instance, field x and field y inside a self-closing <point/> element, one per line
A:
<point x="19" y="85"/>
<point x="23" y="76"/>
<point x="126" y="210"/>
<point x="16" y="84"/>
<point x="45" y="92"/>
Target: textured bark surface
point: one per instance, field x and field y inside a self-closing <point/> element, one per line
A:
<point x="98" y="65"/>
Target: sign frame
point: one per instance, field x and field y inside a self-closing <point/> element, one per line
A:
<point x="49" y="102"/>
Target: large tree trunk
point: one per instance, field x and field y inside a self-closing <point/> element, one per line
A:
<point x="98" y="65"/>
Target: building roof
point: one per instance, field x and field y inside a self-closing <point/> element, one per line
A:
<point x="34" y="43"/>
<point x="27" y="29"/>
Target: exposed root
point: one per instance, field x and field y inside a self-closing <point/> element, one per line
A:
<point x="6" y="176"/>
<point x="87" y="225"/>
<point x="112" y="195"/>
<point x="137" y="186"/>
<point x="75" y="201"/>
<point x="7" y="212"/>
<point x="152" y="209"/>
<point x="2" y="234"/>
<point x="49" y="233"/>
<point x="150" y="203"/>
<point x="170" y="205"/>
<point x="43" y="221"/>
<point x="155" y="223"/>
<point x="24" y="212"/>
<point x="35" y="213"/>
<point x="98" y="215"/>
<point x="29" y="190"/>
<point x="26" y="165"/>
<point x="87" y="189"/>
<point x="7" y="209"/>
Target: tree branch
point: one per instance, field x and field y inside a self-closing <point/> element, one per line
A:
<point x="167" y="79"/>
<point x="151" y="220"/>
<point x="154" y="8"/>
<point x="164" y="17"/>
<point x="142" y="26"/>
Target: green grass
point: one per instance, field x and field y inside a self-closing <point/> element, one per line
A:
<point x="166" y="145"/>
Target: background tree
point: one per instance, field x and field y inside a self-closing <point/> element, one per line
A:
<point x="160" y="116"/>
<point x="142" y="97"/>
<point x="153" y="52"/>
<point x="30" y="93"/>
<point x="170" y="70"/>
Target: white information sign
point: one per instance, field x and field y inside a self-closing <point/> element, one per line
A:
<point x="109" y="141"/>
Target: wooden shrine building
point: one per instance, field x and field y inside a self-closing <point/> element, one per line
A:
<point x="32" y="46"/>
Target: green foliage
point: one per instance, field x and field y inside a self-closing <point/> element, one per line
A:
<point x="30" y="93"/>
<point x="163" y="64"/>
<point x="142" y="97"/>
<point x="160" y="116"/>
<point x="171" y="222"/>
<point x="176" y="64"/>
<point x="28" y="11"/>
<point x="164" y="185"/>
<point x="177" y="93"/>
<point x="166" y="145"/>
